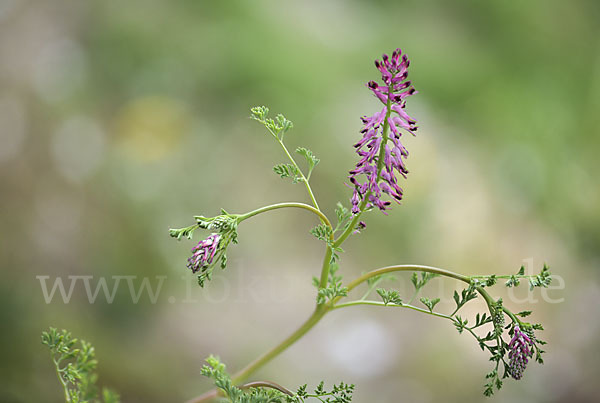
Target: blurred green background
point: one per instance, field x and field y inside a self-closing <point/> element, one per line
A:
<point x="120" y="119"/>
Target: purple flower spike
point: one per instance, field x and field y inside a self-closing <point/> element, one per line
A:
<point x="519" y="353"/>
<point x="204" y="253"/>
<point x="378" y="130"/>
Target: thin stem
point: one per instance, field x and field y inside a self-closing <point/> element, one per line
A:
<point x="408" y="267"/>
<point x="242" y="375"/>
<point x="271" y="207"/>
<point x="505" y="277"/>
<point x="378" y="303"/>
<point x="512" y="316"/>
<point x="410" y="301"/>
<point x="321" y="310"/>
<point x="342" y="238"/>
<point x="267" y="384"/>
<point x="208" y="396"/>
<point x="304" y="179"/>
<point x="61" y="379"/>
<point x="370" y="289"/>
<point x="322" y="217"/>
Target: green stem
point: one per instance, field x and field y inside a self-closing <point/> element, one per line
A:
<point x="242" y="375"/>
<point x="407" y="267"/>
<point x="325" y="268"/>
<point x="505" y="277"/>
<point x="321" y="310"/>
<point x="512" y="316"/>
<point x="209" y="396"/>
<point x="378" y="303"/>
<point x="410" y="301"/>
<point x="353" y="223"/>
<point x="322" y="217"/>
<point x="370" y="289"/>
<point x="271" y="207"/>
<point x="487" y="297"/>
<point x="62" y="381"/>
<point x="308" y="188"/>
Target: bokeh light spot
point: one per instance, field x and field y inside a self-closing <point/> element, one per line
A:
<point x="150" y="128"/>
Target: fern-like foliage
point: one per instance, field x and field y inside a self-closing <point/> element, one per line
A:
<point x="288" y="171"/>
<point x="75" y="366"/>
<point x="334" y="286"/>
<point x="310" y="158"/>
<point x="269" y="392"/>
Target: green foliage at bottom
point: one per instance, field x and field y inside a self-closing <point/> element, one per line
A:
<point x="271" y="393"/>
<point x="75" y="364"/>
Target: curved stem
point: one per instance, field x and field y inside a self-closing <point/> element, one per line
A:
<point x="512" y="316"/>
<point x="242" y="375"/>
<point x="267" y="384"/>
<point x="321" y="310"/>
<point x="271" y="207"/>
<point x="208" y="396"/>
<point x="407" y="267"/>
<point x="322" y="217"/>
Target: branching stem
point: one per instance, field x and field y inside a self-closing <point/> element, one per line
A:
<point x="61" y="379"/>
<point x="407" y="267"/>
<point x="379" y="303"/>
<point x="304" y="179"/>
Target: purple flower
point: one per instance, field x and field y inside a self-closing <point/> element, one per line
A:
<point x="380" y="150"/>
<point x="359" y="227"/>
<point x="519" y="352"/>
<point x="204" y="253"/>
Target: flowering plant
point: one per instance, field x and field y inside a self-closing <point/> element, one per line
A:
<point x="503" y="334"/>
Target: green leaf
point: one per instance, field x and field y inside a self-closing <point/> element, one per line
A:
<point x="259" y="113"/>
<point x="322" y="232"/>
<point x="420" y="281"/>
<point x="215" y="370"/>
<point x="283" y="124"/>
<point x="288" y="171"/>
<point x="310" y="158"/>
<point x="334" y="287"/>
<point x="277" y="127"/>
<point x="75" y="365"/>
<point x="523" y="314"/>
<point x="389" y="297"/>
<point x="430" y="303"/>
<point x="465" y="296"/>
<point x="460" y="323"/>
<point x="343" y="216"/>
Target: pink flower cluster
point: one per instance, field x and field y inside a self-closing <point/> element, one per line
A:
<point x="204" y="253"/>
<point x="379" y="161"/>
<point x="519" y="352"/>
